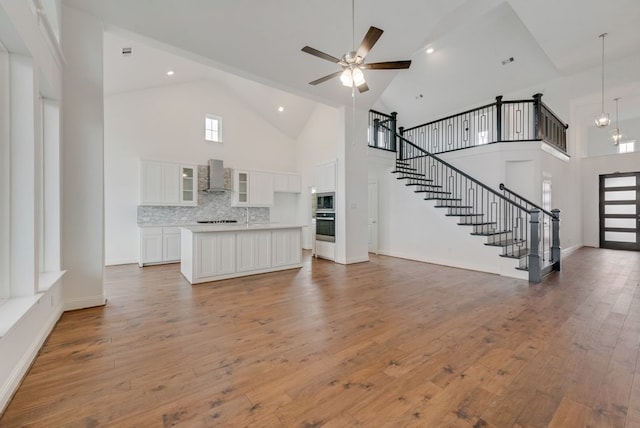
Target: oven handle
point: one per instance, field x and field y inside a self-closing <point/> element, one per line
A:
<point x="326" y="218"/>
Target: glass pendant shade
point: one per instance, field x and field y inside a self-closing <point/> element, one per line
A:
<point x="603" y="120"/>
<point x="358" y="76"/>
<point x="616" y="136"/>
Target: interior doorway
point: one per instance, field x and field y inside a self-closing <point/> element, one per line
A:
<point x="372" y="222"/>
<point x="620" y="211"/>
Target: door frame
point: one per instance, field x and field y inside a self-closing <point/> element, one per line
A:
<point x="615" y="245"/>
<point x="375" y="247"/>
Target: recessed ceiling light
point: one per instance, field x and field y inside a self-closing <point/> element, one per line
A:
<point x="170" y="73"/>
<point x="430" y="50"/>
<point x="281" y="109"/>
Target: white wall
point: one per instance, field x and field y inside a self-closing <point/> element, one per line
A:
<point x="592" y="168"/>
<point x="599" y="139"/>
<point x="317" y="143"/>
<point x="410" y="227"/>
<point x="82" y="161"/>
<point x="167" y="123"/>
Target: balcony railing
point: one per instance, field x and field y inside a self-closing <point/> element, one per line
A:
<point x="501" y="121"/>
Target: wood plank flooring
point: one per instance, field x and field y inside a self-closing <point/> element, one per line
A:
<point x="389" y="343"/>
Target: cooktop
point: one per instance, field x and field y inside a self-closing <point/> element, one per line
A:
<point x="217" y="221"/>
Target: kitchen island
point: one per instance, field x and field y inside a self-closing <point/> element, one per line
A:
<point x="215" y="252"/>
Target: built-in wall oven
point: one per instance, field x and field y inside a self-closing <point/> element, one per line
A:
<point x="326" y="226"/>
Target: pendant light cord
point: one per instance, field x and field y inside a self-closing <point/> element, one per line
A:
<point x="603" y="35"/>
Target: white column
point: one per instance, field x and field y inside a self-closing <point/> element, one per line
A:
<point x="82" y="154"/>
<point x="5" y="177"/>
<point x="352" y="189"/>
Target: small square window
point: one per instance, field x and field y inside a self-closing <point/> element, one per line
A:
<point x="626" y="147"/>
<point x="213" y="128"/>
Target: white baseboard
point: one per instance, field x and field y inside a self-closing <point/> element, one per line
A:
<point x="85" y="302"/>
<point x="114" y="262"/>
<point x="10" y="386"/>
<point x="361" y="259"/>
<point x="568" y="251"/>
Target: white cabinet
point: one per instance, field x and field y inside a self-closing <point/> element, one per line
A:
<point x="159" y="245"/>
<point x="170" y="244"/>
<point x="253" y="250"/>
<point x="167" y="183"/>
<point x="214" y="254"/>
<point x="252" y="189"/>
<point x="326" y="250"/>
<point x="150" y="245"/>
<point x="287" y="183"/>
<point x="188" y="185"/>
<point x="325" y="177"/>
<point x="286" y="247"/>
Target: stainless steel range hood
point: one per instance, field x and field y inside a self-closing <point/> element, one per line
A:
<point x="219" y="177"/>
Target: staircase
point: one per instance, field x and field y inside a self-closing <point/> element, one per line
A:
<point x="506" y="223"/>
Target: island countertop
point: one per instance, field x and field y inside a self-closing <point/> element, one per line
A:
<point x="235" y="227"/>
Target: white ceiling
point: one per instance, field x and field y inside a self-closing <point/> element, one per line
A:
<point x="261" y="41"/>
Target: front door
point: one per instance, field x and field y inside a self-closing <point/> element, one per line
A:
<point x="620" y="211"/>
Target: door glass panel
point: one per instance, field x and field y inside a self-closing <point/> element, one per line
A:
<point x="619" y="209"/>
<point x="625" y="195"/>
<point x="620" y="236"/>
<point x="620" y="181"/>
<point x="629" y="223"/>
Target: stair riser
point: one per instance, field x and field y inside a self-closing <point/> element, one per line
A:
<point x="499" y="237"/>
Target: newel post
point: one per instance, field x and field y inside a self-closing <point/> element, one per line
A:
<point x="376" y="128"/>
<point x="499" y="118"/>
<point x="555" y="243"/>
<point x="401" y="145"/>
<point x="393" y="122"/>
<point x="534" y="247"/>
<point x="537" y="116"/>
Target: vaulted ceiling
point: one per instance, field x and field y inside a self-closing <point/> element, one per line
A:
<point x="260" y="41"/>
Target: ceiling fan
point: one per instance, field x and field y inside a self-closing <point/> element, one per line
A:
<point x="353" y="62"/>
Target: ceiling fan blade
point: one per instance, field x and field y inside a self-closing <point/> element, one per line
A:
<point x="369" y="40"/>
<point x="389" y="65"/>
<point x="320" y="54"/>
<point x="363" y="88"/>
<point x="325" y="78"/>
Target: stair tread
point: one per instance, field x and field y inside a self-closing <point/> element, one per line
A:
<point x="452" y="206"/>
<point x="506" y="243"/>
<point x="404" y="168"/>
<point x="499" y="232"/>
<point x="407" y="174"/>
<point x="477" y="223"/>
<point x="416" y="181"/>
<point x="432" y="186"/>
<point x="442" y="199"/>
<point x="464" y="215"/>
<point x="439" y="192"/>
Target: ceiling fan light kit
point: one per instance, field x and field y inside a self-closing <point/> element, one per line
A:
<point x="353" y="62"/>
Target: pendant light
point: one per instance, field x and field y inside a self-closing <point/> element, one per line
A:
<point x="602" y="121"/>
<point x="616" y="136"/>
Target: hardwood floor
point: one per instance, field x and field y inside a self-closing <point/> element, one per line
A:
<point x="389" y="343"/>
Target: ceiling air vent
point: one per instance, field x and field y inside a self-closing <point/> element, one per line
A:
<point x="127" y="51"/>
<point x="507" y="60"/>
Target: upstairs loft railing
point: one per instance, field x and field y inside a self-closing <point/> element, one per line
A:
<point x="380" y="134"/>
<point x="498" y="122"/>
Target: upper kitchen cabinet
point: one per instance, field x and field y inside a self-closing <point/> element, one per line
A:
<point x="287" y="183"/>
<point x="168" y="183"/>
<point x="252" y="189"/>
<point x="325" y="177"/>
